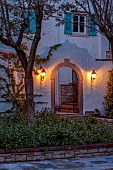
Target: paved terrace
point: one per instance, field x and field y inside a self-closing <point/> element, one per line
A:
<point x="94" y="163"/>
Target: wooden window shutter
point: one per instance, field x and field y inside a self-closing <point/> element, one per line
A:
<point x="91" y="27"/>
<point x="32" y="22"/>
<point x="32" y="19"/>
<point x="26" y="17"/>
<point x="68" y="23"/>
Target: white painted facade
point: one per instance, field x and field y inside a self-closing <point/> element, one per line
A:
<point x="96" y="46"/>
<point x="93" y="93"/>
<point x="81" y="51"/>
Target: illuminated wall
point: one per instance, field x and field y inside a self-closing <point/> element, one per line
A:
<point x="93" y="92"/>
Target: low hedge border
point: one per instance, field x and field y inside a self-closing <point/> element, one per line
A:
<point x="60" y="152"/>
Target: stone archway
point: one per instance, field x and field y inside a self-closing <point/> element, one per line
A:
<point x="67" y="63"/>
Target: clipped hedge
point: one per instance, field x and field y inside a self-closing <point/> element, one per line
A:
<point x="51" y="130"/>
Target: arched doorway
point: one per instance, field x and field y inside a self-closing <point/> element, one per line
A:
<point x="67" y="96"/>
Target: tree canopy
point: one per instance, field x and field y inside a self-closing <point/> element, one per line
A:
<point x="15" y="16"/>
<point x="103" y="11"/>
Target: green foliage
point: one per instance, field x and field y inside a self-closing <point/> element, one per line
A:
<point x="51" y="130"/>
<point x="39" y="60"/>
<point x="12" y="83"/>
<point x="108" y="100"/>
<point x="12" y="89"/>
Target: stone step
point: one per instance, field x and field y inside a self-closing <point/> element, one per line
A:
<point x="69" y="114"/>
<point x="73" y="115"/>
<point x="69" y="106"/>
<point x="66" y="110"/>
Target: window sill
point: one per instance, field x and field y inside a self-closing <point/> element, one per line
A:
<point x="79" y="35"/>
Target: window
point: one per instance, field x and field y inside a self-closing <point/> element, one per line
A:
<point x="79" y="24"/>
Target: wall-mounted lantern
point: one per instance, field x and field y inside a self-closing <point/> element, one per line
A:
<point x="93" y="76"/>
<point x="40" y="72"/>
<point x="43" y="74"/>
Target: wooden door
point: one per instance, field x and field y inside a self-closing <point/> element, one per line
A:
<point x="69" y="98"/>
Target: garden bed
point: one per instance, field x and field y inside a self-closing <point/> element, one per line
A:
<point x="52" y="136"/>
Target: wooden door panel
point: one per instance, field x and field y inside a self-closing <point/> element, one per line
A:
<point x="69" y="98"/>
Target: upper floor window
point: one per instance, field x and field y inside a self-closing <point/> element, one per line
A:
<point x="79" y="24"/>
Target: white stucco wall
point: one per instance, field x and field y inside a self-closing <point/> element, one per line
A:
<point x="81" y="51"/>
<point x="85" y="59"/>
<point x="96" y="45"/>
<point x="93" y="93"/>
<point x="51" y="34"/>
<point x="5" y="105"/>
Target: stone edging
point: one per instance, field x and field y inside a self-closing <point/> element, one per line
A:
<point x="104" y="120"/>
<point x="43" y="153"/>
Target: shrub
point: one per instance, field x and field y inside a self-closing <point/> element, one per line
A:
<point x="108" y="100"/>
<point x="51" y="130"/>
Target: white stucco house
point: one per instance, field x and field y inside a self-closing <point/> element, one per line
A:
<point x="68" y="86"/>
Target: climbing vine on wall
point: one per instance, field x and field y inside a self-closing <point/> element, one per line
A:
<point x="40" y="60"/>
<point x="12" y="78"/>
<point x="11" y="81"/>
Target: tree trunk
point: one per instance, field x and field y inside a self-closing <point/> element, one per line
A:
<point x="29" y="97"/>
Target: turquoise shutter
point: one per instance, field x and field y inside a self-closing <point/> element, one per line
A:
<point x="32" y="19"/>
<point x="32" y="22"/>
<point x="91" y="27"/>
<point x="68" y="23"/>
<point x="26" y="16"/>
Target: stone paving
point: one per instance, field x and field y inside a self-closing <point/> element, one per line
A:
<point x="97" y="163"/>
